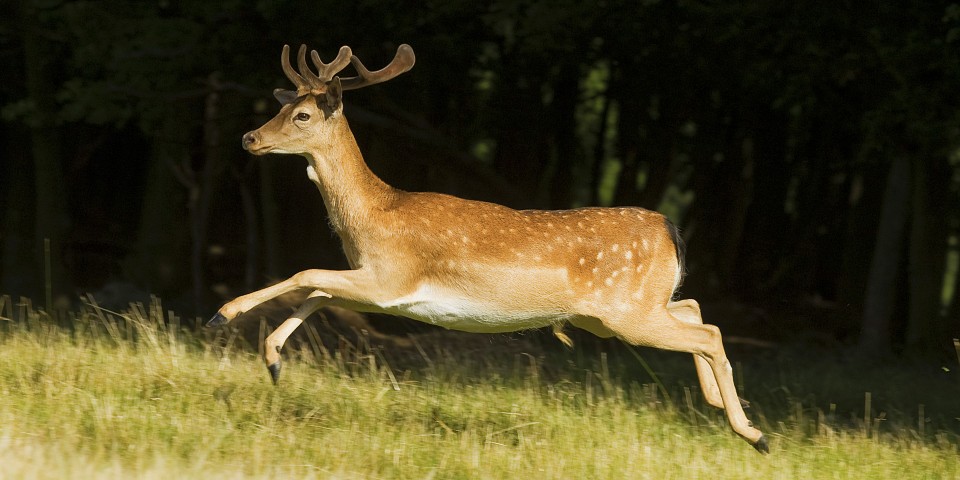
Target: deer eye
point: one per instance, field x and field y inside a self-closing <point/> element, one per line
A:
<point x="303" y="116"/>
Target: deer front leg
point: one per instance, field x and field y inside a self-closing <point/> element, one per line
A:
<point x="339" y="284"/>
<point x="274" y="343"/>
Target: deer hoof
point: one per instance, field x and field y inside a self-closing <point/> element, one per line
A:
<point x="762" y="446"/>
<point x="275" y="372"/>
<point x="216" y="321"/>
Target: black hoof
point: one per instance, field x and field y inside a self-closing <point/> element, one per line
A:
<point x="744" y="404"/>
<point x="216" y="321"/>
<point x="274" y="371"/>
<point x="762" y="446"/>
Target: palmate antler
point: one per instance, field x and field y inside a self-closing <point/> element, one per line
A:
<point x="307" y="82"/>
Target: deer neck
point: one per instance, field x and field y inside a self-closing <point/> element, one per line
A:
<point x="353" y="194"/>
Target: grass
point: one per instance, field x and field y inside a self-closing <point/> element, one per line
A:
<point x="136" y="395"/>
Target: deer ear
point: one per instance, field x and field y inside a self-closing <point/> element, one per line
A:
<point x="334" y="94"/>
<point x="284" y="96"/>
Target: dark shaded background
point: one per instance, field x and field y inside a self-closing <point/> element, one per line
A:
<point x="810" y="155"/>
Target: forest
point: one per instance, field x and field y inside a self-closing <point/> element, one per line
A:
<point x="809" y="153"/>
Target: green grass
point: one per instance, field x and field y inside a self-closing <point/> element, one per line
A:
<point x="137" y="396"/>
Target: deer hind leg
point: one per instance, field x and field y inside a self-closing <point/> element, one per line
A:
<point x="689" y="312"/>
<point x="663" y="328"/>
<point x="274" y="343"/>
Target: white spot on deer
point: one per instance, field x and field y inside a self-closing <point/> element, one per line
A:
<point x="646" y="244"/>
<point x="312" y="174"/>
<point x="589" y="283"/>
<point x="615" y="273"/>
<point x="628" y="255"/>
<point x="549" y="225"/>
<point x="608" y="282"/>
<point x="595" y="270"/>
<point x="615" y="247"/>
<point x="639" y="268"/>
<point x="582" y="261"/>
<point x="537" y="258"/>
<point x="449" y="232"/>
<point x="600" y="255"/>
<point x="465" y="239"/>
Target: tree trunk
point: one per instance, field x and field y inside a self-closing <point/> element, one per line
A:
<point x="765" y="221"/>
<point x="52" y="220"/>
<point x="270" y="211"/>
<point x="17" y="267"/>
<point x="568" y="149"/>
<point x="864" y="198"/>
<point x="251" y="232"/>
<point x="521" y="151"/>
<point x="203" y="191"/>
<point x="926" y="330"/>
<point x="157" y="261"/>
<point x="882" y="288"/>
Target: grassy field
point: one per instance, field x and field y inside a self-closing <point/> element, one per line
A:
<point x="136" y="396"/>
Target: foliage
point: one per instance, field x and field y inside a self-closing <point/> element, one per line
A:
<point x="764" y="129"/>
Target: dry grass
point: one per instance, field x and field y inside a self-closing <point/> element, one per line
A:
<point x="137" y="396"/>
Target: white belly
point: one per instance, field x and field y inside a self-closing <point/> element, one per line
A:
<point x="449" y="310"/>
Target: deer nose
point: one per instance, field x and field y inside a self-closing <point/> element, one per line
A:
<point x="250" y="140"/>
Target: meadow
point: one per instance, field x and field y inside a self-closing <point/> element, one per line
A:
<point x="144" y="394"/>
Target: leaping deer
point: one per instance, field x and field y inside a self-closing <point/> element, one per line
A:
<point x="477" y="266"/>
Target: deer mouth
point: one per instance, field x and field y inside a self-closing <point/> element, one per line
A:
<point x="259" y="150"/>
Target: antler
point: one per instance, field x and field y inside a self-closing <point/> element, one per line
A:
<point x="328" y="70"/>
<point x="402" y="62"/>
<point x="308" y="82"/>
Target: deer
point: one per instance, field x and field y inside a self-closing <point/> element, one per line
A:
<point x="471" y="265"/>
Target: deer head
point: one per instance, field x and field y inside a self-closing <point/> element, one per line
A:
<point x="315" y="108"/>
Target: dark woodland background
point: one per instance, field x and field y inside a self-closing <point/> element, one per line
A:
<point x="809" y="153"/>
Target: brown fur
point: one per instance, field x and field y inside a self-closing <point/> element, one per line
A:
<point x="482" y="267"/>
